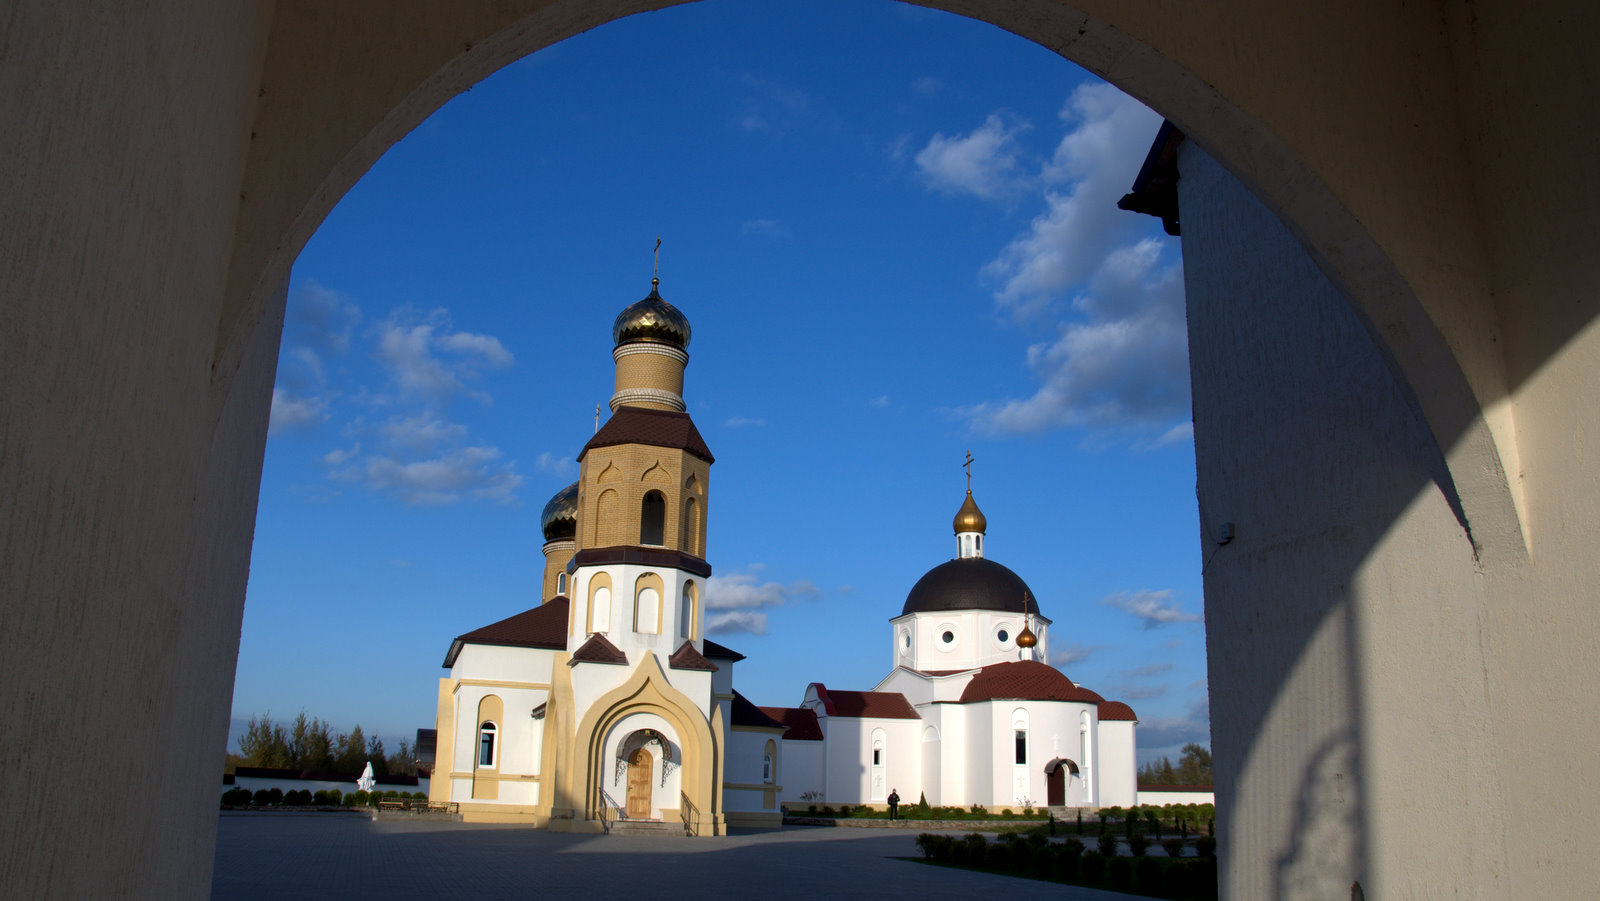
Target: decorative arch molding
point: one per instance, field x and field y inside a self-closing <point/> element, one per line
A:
<point x="647" y="690"/>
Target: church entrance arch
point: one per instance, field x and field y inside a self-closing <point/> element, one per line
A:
<point x="640" y="767"/>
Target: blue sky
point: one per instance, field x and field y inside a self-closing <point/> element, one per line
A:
<point x="896" y="242"/>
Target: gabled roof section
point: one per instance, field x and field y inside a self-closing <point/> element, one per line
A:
<point x="545" y="626"/>
<point x="686" y="657"/>
<point x="1116" y="710"/>
<point x="749" y="715"/>
<point x="890" y="705"/>
<point x="717" y="651"/>
<point x="657" y="428"/>
<point x="802" y="722"/>
<point x="1025" y="680"/>
<point x="597" y="650"/>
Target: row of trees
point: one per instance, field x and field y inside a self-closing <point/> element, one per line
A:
<point x="1194" y="768"/>
<point x="311" y="744"/>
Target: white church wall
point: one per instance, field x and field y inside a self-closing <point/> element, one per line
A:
<point x="658" y="632"/>
<point x="851" y="775"/>
<point x="722" y="679"/>
<point x="978" y="780"/>
<point x="800" y="772"/>
<point x="746" y="777"/>
<point x="503" y="664"/>
<point x="975" y="638"/>
<point x="1119" y="769"/>
<point x="917" y="688"/>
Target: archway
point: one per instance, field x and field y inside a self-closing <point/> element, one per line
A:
<point x="1397" y="149"/>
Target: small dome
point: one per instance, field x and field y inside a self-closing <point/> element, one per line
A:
<point x="969" y="583"/>
<point x="652" y="321"/>
<point x="969" y="518"/>
<point x="1116" y="710"/>
<point x="560" y="516"/>
<point x="1026" y="638"/>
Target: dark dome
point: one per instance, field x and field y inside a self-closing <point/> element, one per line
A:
<point x="969" y="583"/>
<point x="560" y="516"/>
<point x="652" y="321"/>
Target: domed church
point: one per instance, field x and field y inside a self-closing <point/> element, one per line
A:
<point x="972" y="712"/>
<point x="606" y="703"/>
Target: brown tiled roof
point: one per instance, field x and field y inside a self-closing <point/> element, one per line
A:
<point x="1116" y="710"/>
<point x="545" y="626"/>
<point x="1024" y="680"/>
<point x="877" y="704"/>
<point x="657" y="428"/>
<point x="802" y="722"/>
<point x="597" y="650"/>
<point x="686" y="657"/>
<point x="712" y="649"/>
<point x="748" y="714"/>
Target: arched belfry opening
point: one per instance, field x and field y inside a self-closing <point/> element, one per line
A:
<point x="653" y="519"/>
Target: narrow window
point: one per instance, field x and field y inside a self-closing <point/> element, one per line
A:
<point x="766" y="768"/>
<point x="653" y="519"/>
<point x="1022" y="746"/>
<point x="561" y="583"/>
<point x="877" y="757"/>
<point x="486" y="745"/>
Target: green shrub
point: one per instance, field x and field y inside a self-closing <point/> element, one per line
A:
<point x="1103" y="816"/>
<point x="1108" y="844"/>
<point x="934" y="846"/>
<point x="1205" y="846"/>
<point x="294" y="798"/>
<point x="1121" y="870"/>
<point x="391" y="793"/>
<point x="1092" y="866"/>
<point x="276" y="795"/>
<point x="1173" y="846"/>
<point x="1067" y="855"/>
<point x="999" y="856"/>
<point x="262" y="797"/>
<point x="1138" y="842"/>
<point x="1154" y="819"/>
<point x="236" y="797"/>
<point x="1148" y="870"/>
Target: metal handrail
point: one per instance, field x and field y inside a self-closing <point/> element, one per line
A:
<point x="691" y="819"/>
<point x="606" y="802"/>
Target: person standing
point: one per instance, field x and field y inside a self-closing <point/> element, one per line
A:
<point x="894" y="804"/>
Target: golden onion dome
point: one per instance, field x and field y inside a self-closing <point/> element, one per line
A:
<point x="652" y="321"/>
<point x="969" y="518"/>
<point x="560" y="516"/>
<point x="1026" y="638"/>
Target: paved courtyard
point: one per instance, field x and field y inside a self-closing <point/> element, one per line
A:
<point x="289" y="855"/>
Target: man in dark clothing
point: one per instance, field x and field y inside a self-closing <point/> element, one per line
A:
<point x="894" y="804"/>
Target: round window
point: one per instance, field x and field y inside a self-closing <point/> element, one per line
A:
<point x="905" y="639"/>
<point x="1003" y="636"/>
<point x="948" y="637"/>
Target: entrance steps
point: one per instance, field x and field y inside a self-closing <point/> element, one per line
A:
<point x="647" y="827"/>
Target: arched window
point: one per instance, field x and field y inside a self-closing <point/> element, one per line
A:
<point x="561" y="583"/>
<point x="486" y="735"/>
<point x="647" y="604"/>
<point x="769" y="763"/>
<point x="691" y="527"/>
<point x="600" y="603"/>
<point x="653" y="519"/>
<point x="686" y="610"/>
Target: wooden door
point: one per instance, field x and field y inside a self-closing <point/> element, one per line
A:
<point x="640" y="765"/>
<point x="1055" y="786"/>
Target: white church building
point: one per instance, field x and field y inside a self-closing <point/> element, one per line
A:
<point x="606" y="702"/>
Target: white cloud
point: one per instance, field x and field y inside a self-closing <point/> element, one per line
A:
<point x="566" y="467"/>
<point x="320" y="318"/>
<point x="1074" y="653"/>
<point x="1138" y="692"/>
<point x="291" y="413"/>
<point x="774" y="109"/>
<point x="1096" y="162"/>
<point x="742" y="591"/>
<point x="1126" y="364"/>
<point x="1143" y="672"/>
<point x="926" y="86"/>
<point x="413" y="346"/>
<point x="475" y="472"/>
<point x="422" y="431"/>
<point x="340" y="456"/>
<point x="731" y="622"/>
<point x="1152" y="608"/>
<point x="879" y="403"/>
<point x="734" y="422"/>
<point x="1156" y="733"/>
<point x="983" y="162"/>
<point x="766" y="228"/>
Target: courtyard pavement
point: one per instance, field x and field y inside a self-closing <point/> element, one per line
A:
<point x="310" y="855"/>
